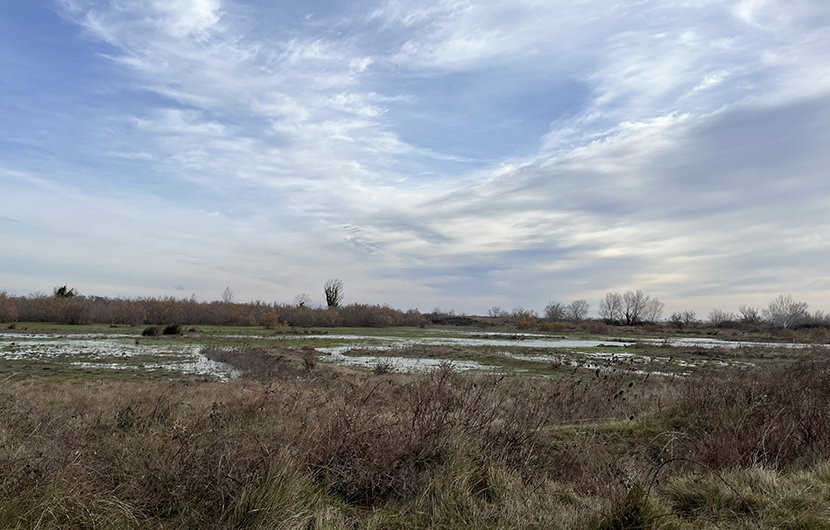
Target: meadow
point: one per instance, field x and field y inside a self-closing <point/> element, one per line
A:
<point x="629" y="428"/>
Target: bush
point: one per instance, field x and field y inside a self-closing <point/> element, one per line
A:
<point x="556" y="327"/>
<point x="152" y="331"/>
<point x="8" y="308"/>
<point x="172" y="329"/>
<point x="524" y="324"/>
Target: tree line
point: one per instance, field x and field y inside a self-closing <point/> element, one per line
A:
<point x="73" y="308"/>
<point x="67" y="306"/>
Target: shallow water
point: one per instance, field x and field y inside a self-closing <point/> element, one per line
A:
<point x="131" y="352"/>
<point x="113" y="352"/>
<point x="405" y="364"/>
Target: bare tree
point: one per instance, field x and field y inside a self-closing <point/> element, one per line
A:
<point x="749" y="315"/>
<point x="577" y="310"/>
<point x="302" y="300"/>
<point x="333" y="289"/>
<point x="718" y="317"/>
<point x="227" y="295"/>
<point x="820" y="318"/>
<point x="634" y="306"/>
<point x="520" y="312"/>
<point x="653" y="310"/>
<point x="497" y="312"/>
<point x="689" y="317"/>
<point x="682" y="319"/>
<point x="785" y="312"/>
<point x="630" y="308"/>
<point x="554" y="311"/>
<point x="610" y="308"/>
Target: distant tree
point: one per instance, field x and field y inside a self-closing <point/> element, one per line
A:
<point x="784" y="312"/>
<point x="610" y="308"/>
<point x="227" y="295"/>
<point x="653" y="310"/>
<point x="718" y="317"/>
<point x="497" y="312"/>
<point x="577" y="310"/>
<point x="682" y="319"/>
<point x="64" y="292"/>
<point x="302" y="300"/>
<point x="520" y="312"/>
<point x="820" y="318"/>
<point x="555" y="311"/>
<point x="333" y="290"/>
<point x="749" y="315"/>
<point x="689" y="317"/>
<point x="633" y="307"/>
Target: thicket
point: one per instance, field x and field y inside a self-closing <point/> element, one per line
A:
<point x="168" y="310"/>
<point x="315" y="448"/>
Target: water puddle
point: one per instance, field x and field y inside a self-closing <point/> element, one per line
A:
<point x="113" y="352"/>
<point x="405" y="364"/>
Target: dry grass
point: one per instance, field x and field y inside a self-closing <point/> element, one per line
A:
<point x="306" y="446"/>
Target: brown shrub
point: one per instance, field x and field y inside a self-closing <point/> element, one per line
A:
<point x="596" y="328"/>
<point x="556" y="327"/>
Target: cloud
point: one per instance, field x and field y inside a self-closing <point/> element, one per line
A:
<point x="454" y="150"/>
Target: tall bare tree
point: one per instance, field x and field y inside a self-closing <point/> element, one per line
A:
<point x="577" y="310"/>
<point x="630" y="308"/>
<point x="610" y="308"/>
<point x="718" y="317"/>
<point x="227" y="295"/>
<point x="555" y="311"/>
<point x="634" y="306"/>
<point x="749" y="315"/>
<point x="784" y="312"/>
<point x="333" y="289"/>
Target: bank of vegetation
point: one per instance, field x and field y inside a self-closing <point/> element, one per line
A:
<point x="77" y="309"/>
<point x="306" y="445"/>
<point x="632" y="311"/>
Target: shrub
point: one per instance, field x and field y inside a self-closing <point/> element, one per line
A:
<point x="152" y="331"/>
<point x="8" y="308"/>
<point x="524" y="324"/>
<point x="556" y="327"/>
<point x="172" y="329"/>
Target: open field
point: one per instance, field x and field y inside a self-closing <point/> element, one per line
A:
<point x="222" y="427"/>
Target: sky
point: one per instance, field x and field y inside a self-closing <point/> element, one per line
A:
<point x="457" y="154"/>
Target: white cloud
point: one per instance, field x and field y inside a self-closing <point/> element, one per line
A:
<point x="665" y="167"/>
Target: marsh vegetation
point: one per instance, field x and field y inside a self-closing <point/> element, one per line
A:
<point x="500" y="429"/>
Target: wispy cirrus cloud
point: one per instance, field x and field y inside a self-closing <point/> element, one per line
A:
<point x="455" y="153"/>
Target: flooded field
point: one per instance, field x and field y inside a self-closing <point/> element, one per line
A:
<point x="125" y="353"/>
<point x="81" y="353"/>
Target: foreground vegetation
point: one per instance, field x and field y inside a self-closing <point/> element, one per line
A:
<point x="298" y="444"/>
